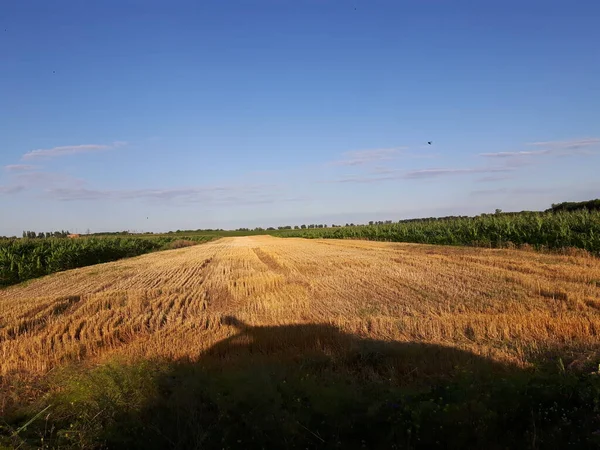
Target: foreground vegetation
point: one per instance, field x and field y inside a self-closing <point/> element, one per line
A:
<point x="342" y="393"/>
<point x="24" y="259"/>
<point x="579" y="229"/>
<point x="256" y="342"/>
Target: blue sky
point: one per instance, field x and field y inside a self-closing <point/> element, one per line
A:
<point x="156" y="116"/>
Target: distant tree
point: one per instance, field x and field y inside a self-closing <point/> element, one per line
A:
<point x="296" y="227"/>
<point x="590" y="205"/>
<point x="498" y="211"/>
<point x="370" y="222"/>
<point x="303" y="227"/>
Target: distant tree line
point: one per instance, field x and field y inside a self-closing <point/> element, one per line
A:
<point x="111" y="233"/>
<point x="198" y="231"/>
<point x="47" y="235"/>
<point x="590" y="205"/>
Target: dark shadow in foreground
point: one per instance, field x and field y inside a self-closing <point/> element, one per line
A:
<point x="311" y="386"/>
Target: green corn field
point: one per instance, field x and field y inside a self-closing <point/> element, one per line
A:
<point x="24" y="259"/>
<point x="579" y="229"/>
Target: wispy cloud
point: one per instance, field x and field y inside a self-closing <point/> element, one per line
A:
<point x="47" y="179"/>
<point x="208" y="194"/>
<point x="568" y="145"/>
<point x="19" y="167"/>
<point x="491" y="178"/>
<point x="364" y="157"/>
<point x="558" y="148"/>
<point x="514" y="154"/>
<point x="82" y="193"/>
<point x="11" y="189"/>
<point x="64" y="187"/>
<point x="422" y="174"/>
<point x="433" y="173"/>
<point x="383" y="170"/>
<point x="70" y="150"/>
<point x="25" y="177"/>
<point x="516" y="191"/>
<point x="359" y="180"/>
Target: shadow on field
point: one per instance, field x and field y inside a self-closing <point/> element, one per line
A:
<point x="311" y="386"/>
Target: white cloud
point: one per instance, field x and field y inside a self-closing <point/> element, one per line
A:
<point x="557" y="148"/>
<point x="11" y="189"/>
<point x="491" y="178"/>
<point x="516" y="191"/>
<point x="70" y="150"/>
<point x="19" y="167"/>
<point x="431" y="173"/>
<point x="209" y="194"/>
<point x="568" y="145"/>
<point x="364" y="179"/>
<point x="47" y="179"/>
<point x="514" y="154"/>
<point x="363" y="157"/>
<point x="64" y="187"/>
<point x="422" y="174"/>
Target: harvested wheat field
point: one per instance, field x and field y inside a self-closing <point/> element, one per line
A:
<point x="509" y="308"/>
<point x="503" y="304"/>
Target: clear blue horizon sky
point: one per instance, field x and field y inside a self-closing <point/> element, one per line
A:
<point x="156" y="116"/>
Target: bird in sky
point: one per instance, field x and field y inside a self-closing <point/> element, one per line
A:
<point x="429" y="142"/>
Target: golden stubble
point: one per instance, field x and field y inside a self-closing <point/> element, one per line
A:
<point x="508" y="305"/>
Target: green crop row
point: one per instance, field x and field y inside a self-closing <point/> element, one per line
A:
<point x="580" y="229"/>
<point x="24" y="259"/>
